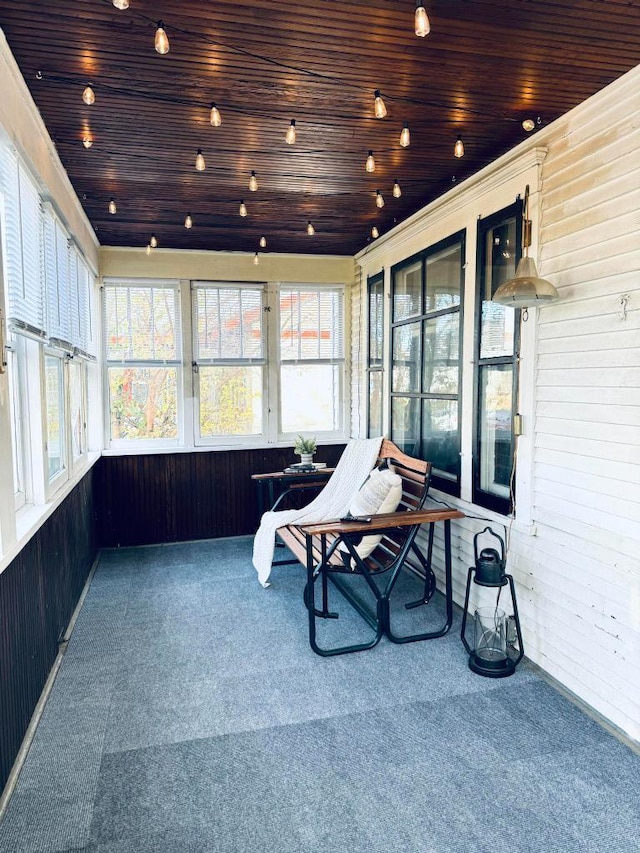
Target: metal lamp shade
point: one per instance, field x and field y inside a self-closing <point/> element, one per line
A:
<point x="526" y="290"/>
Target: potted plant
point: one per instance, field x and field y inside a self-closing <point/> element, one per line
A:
<point x="305" y="448"/>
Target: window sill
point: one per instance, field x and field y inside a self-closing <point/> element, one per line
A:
<point x="473" y="511"/>
<point x="213" y="448"/>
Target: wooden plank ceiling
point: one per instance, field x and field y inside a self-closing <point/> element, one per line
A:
<point x="485" y="66"/>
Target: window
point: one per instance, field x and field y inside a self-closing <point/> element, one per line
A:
<point x="375" y="347"/>
<point x="55" y="432"/>
<point x="497" y="341"/>
<point x="77" y="407"/>
<point x="425" y="357"/>
<point x="16" y="408"/>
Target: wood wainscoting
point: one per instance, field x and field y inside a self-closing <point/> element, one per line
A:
<point x="176" y="497"/>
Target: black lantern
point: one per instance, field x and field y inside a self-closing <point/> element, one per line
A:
<point x="491" y="654"/>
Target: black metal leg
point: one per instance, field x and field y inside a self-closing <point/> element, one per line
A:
<point x="429" y="577"/>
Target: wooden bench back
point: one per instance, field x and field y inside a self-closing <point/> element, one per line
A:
<point x="415" y="473"/>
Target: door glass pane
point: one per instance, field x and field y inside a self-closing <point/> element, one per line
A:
<point x="495" y="446"/>
<point x="230" y="400"/>
<point x="443" y="278"/>
<point x="143" y="402"/>
<point x="497" y="323"/>
<point x="441" y="347"/>
<point x="311" y="395"/>
<point x="405" y="375"/>
<point x="405" y="418"/>
<point x="407" y="291"/>
<point x="440" y="439"/>
<point x="375" y="403"/>
<point x="55" y="410"/>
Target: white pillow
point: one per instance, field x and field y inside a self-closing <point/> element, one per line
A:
<point x="380" y="492"/>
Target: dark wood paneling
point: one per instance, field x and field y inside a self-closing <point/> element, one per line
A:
<point x="176" y="497"/>
<point x="38" y="594"/>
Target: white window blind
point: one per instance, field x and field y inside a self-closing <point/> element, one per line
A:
<point x="311" y="324"/>
<point x="142" y="321"/>
<point x="85" y="344"/>
<point x="228" y="323"/>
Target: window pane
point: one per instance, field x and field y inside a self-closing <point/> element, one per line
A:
<point x="443" y="278"/>
<point x="441" y="354"/>
<point x="311" y="324"/>
<point x="495" y="446"/>
<point x="230" y="400"/>
<point x="54" y="411"/>
<point x="143" y="402"/>
<point x="76" y="409"/>
<point x="405" y="419"/>
<point x="311" y="397"/>
<point x="229" y="323"/>
<point x="16" y="423"/>
<point x="405" y="375"/>
<point x="140" y="323"/>
<point x="440" y="439"/>
<point x="497" y="322"/>
<point x="375" y="403"/>
<point x="376" y="328"/>
<point x="407" y="291"/>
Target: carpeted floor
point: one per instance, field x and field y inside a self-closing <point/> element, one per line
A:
<point x="190" y="716"/>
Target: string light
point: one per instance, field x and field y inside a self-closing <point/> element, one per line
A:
<point x="121" y="4"/>
<point x="310" y="229"/>
<point x="188" y="221"/>
<point x="256" y="259"/>
<point x="153" y="242"/>
<point x="422" y="25"/>
<point x="87" y="141"/>
<point x="291" y="133"/>
<point x="374" y="232"/>
<point x="243" y="209"/>
<point x="397" y="192"/>
<point x="379" y="107"/>
<point x="405" y="136"/>
<point x="528" y="124"/>
<point x="89" y="96"/>
<point x="379" y="199"/>
<point x="370" y="165"/>
<point x="200" y="164"/>
<point x="253" y="182"/>
<point x="161" y="40"/>
<point x="458" y="148"/>
<point x="215" y="117"/>
<point x="112" y="206"/>
<point x="147" y="251"/>
<point x="263" y="242"/>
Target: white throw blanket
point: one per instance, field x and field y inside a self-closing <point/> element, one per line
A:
<point x="356" y="462"/>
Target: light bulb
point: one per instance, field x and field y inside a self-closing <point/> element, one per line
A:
<point x="147" y="251"/>
<point x="370" y="165"/>
<point x="310" y="229"/>
<point x="422" y="25"/>
<point x="87" y="141"/>
<point x="89" y="96"/>
<point x="379" y="199"/>
<point x="243" y="209"/>
<point x="397" y="192"/>
<point x="200" y="164"/>
<point x="378" y="105"/>
<point x="215" y="117"/>
<point x="161" y="40"/>
<point x="188" y="221"/>
<point x="121" y="4"/>
<point x="291" y="132"/>
<point x="263" y="242"/>
<point x="112" y="206"/>
<point x="405" y="136"/>
<point x="374" y="232"/>
<point x="153" y="242"/>
<point x="528" y="124"/>
<point x="253" y="182"/>
<point x="458" y="148"/>
<point x="256" y="259"/>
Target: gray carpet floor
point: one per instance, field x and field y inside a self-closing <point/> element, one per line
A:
<point x="190" y="715"/>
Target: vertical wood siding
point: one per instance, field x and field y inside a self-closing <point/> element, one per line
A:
<point x="38" y="594"/>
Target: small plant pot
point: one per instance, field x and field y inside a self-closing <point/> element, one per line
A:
<point x="306" y="458"/>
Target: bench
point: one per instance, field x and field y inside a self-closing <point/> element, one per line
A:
<point x="328" y="552"/>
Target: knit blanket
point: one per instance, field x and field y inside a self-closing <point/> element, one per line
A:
<point x="356" y="462"/>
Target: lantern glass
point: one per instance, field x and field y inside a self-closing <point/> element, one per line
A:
<point x="490" y="636"/>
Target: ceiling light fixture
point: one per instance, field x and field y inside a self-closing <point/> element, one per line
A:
<point x="112" y="206"/>
<point x="405" y="136"/>
<point x="161" y="40"/>
<point x="458" y="148"/>
<point x="310" y="229"/>
<point x="397" y="192"/>
<point x="528" y="124"/>
<point x="256" y="259"/>
<point x="291" y="133"/>
<point x="88" y="95"/>
<point x="87" y="141"/>
<point x="526" y="290"/>
<point x="379" y="107"/>
<point x="421" y="20"/>
<point x="200" y="164"/>
<point x="243" y="209"/>
<point x="370" y="165"/>
<point x="215" y="117"/>
<point x="188" y="221"/>
<point x="121" y="4"/>
<point x="379" y="199"/>
<point x="153" y="242"/>
<point x="263" y="242"/>
<point x="253" y="182"/>
<point x="374" y="232"/>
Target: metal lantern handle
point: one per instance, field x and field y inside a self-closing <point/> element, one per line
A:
<point x="503" y="550"/>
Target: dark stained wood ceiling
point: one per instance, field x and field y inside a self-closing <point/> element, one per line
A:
<point x="485" y="66"/>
